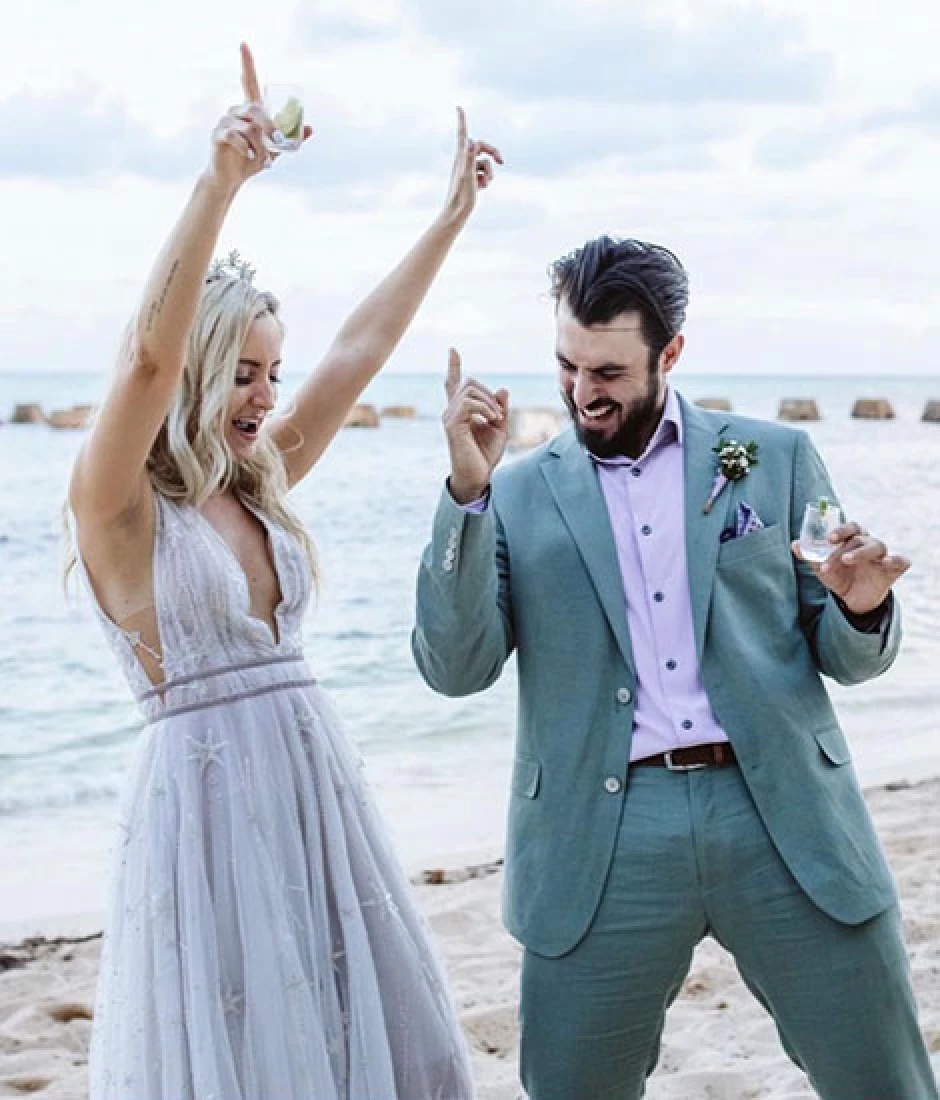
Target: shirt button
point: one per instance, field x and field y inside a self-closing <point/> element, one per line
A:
<point x="636" y="471"/>
<point x="658" y="597"/>
<point x="612" y="785"/>
<point x="624" y="695"/>
<point x="687" y="724"/>
<point x="646" y="529"/>
<point x="671" y="665"/>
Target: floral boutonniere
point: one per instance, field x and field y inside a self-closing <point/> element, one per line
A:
<point x="735" y="461"/>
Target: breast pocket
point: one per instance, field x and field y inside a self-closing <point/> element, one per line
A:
<point x="764" y="541"/>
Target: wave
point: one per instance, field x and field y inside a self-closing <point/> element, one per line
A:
<point x="76" y="794"/>
<point x="62" y="750"/>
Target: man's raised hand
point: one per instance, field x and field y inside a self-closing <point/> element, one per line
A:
<point x="476" y="422"/>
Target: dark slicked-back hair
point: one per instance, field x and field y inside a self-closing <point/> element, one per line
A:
<point x="608" y="276"/>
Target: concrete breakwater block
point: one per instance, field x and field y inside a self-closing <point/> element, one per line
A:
<point x="531" y="427"/>
<point x="932" y="411"/>
<point x="76" y="418"/>
<point x="28" y="414"/>
<point x="716" y="404"/>
<point x="798" y="408"/>
<point x="362" y="416"/>
<point x="872" y="408"/>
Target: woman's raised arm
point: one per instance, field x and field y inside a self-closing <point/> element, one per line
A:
<point x="109" y="480"/>
<point x="373" y="330"/>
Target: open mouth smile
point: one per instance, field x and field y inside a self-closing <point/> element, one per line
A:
<point x="247" y="427"/>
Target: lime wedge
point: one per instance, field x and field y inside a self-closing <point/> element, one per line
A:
<point x="290" y="119"/>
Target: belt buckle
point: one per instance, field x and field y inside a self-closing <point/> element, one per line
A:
<point x="667" y="759"/>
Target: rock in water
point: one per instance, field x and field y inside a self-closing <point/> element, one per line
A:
<point x="73" y="419"/>
<point x="716" y="404"/>
<point x="798" y="408"/>
<point x="28" y="414"/>
<point x="530" y="427"/>
<point x="872" y="408"/>
<point x="362" y="416"/>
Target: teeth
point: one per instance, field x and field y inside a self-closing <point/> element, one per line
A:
<point x="597" y="414"/>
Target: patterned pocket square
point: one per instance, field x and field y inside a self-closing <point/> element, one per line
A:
<point x="746" y="522"/>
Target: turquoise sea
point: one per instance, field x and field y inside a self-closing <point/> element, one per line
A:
<point x="439" y="766"/>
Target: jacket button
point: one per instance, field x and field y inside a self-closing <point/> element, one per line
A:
<point x="624" y="695"/>
<point x="612" y="785"/>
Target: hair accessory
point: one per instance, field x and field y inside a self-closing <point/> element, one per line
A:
<point x="231" y="267"/>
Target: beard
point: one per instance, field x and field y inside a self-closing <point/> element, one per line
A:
<point x="638" y="421"/>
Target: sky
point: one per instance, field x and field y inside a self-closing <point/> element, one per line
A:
<point x="787" y="150"/>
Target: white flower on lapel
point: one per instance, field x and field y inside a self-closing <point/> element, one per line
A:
<point x="735" y="461"/>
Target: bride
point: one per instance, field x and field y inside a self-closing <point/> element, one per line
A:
<point x="262" y="942"/>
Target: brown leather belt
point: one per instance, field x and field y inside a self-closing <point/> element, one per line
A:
<point x="717" y="755"/>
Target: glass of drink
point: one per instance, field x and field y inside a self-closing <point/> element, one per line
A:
<point x="283" y="104"/>
<point x="820" y="519"/>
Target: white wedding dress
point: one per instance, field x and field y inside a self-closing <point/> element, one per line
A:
<point x="262" y="942"/>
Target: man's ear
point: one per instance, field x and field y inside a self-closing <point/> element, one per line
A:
<point x="671" y="352"/>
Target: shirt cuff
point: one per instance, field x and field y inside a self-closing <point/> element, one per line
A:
<point x="875" y="621"/>
<point x="476" y="507"/>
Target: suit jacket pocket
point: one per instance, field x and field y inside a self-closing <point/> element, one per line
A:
<point x="526" y="774"/>
<point x="832" y="743"/>
<point x="749" y="546"/>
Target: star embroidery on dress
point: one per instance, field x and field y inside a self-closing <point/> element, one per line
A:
<point x="306" y="722"/>
<point x="207" y="751"/>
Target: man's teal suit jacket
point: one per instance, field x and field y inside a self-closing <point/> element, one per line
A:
<point x="538" y="573"/>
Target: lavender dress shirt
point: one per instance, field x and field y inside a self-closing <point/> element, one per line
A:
<point x="646" y="503"/>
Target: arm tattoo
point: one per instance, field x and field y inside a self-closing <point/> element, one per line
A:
<point x="156" y="307"/>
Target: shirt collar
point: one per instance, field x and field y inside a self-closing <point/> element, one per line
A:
<point x="669" y="430"/>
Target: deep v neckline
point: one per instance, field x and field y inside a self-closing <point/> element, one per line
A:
<point x="276" y="635"/>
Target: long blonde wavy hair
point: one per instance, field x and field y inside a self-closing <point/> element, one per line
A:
<point x="190" y="459"/>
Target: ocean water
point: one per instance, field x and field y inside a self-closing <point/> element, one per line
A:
<point x="439" y="767"/>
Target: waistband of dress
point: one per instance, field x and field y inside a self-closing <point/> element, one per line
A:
<point x="223" y="684"/>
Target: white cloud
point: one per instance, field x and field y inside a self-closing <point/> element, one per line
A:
<point x="624" y="53"/>
<point x="786" y="149"/>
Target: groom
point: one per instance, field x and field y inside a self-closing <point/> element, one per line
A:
<point x="679" y="770"/>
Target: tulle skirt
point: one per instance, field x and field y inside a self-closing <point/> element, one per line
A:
<point x="262" y="941"/>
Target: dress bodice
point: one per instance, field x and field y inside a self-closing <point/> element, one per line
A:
<point x="203" y="612"/>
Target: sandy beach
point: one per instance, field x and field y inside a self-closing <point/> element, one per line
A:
<point x="718" y="1045"/>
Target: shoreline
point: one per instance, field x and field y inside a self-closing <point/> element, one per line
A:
<point x="83" y="925"/>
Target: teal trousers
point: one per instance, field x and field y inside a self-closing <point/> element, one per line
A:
<point x="693" y="859"/>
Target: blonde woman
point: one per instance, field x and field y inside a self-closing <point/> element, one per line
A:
<point x="262" y="942"/>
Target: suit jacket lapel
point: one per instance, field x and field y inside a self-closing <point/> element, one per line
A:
<point x="702" y="532"/>
<point x="574" y="484"/>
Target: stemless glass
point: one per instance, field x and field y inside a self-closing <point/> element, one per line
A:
<point x="284" y="105"/>
<point x="820" y="519"/>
